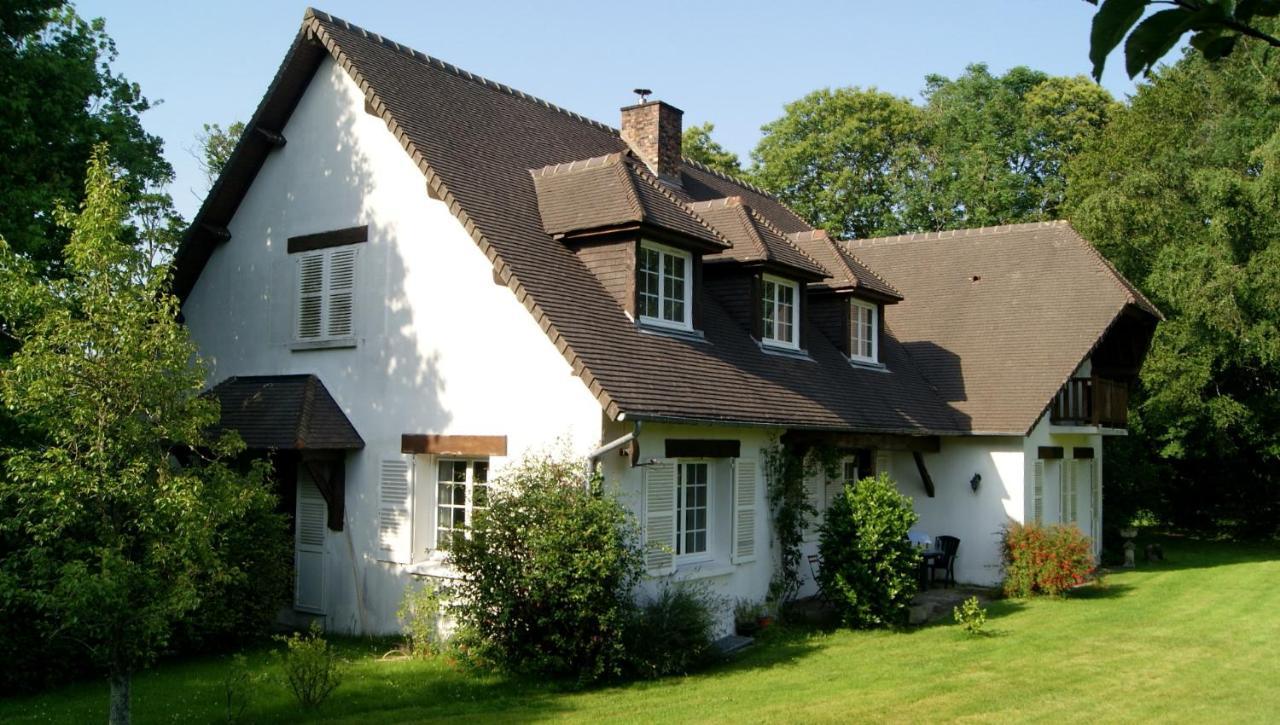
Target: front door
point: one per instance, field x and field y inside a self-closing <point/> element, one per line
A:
<point x="310" y="517"/>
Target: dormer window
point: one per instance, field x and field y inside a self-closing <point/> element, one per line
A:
<point x="780" y="321"/>
<point x="864" y="343"/>
<point x="664" y="286"/>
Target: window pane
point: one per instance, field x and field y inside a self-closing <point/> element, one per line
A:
<point x="481" y="471"/>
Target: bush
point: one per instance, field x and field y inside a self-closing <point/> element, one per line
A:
<point x="970" y="615"/>
<point x="548" y="575"/>
<point x="1044" y="559"/>
<point x="671" y="634"/>
<point x="312" y="668"/>
<point x="420" y="614"/>
<point x="869" y="569"/>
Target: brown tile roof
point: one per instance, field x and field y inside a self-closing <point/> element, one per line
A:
<point x="284" y="412"/>
<point x="998" y="318"/>
<point x="613" y="190"/>
<point x="847" y="272"/>
<point x="475" y="141"/>
<point x="754" y="238"/>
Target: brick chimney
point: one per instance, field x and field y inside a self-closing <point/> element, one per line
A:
<point x="653" y="131"/>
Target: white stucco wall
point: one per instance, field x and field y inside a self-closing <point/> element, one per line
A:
<point x="441" y="348"/>
<point x="956" y="510"/>
<point x="1088" y="510"/>
<point x="726" y="581"/>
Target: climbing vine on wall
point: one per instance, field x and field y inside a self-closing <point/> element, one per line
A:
<point x="786" y="470"/>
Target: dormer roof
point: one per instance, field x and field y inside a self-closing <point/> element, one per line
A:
<point x="846" y="273"/>
<point x="612" y="191"/>
<point x="755" y="240"/>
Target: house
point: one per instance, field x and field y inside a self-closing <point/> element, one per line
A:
<point x="409" y="276"/>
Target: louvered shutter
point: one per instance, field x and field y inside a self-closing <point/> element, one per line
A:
<point x="1074" y="493"/>
<point x="813" y="494"/>
<point x="1037" y="492"/>
<point x="310" y="296"/>
<point x="660" y="517"/>
<point x="340" y="293"/>
<point x="882" y="462"/>
<point x="309" y="524"/>
<point x="395" y="512"/>
<point x="1095" y="498"/>
<point x="1064" y="491"/>
<point x="746" y="489"/>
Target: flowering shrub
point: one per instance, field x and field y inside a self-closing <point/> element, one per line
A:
<point x="1044" y="559"/>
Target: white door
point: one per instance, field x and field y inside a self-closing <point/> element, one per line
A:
<point x="308" y="586"/>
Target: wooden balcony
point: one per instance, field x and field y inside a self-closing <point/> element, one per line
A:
<point x="1091" y="401"/>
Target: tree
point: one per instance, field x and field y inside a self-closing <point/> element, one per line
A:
<point x="58" y="99"/>
<point x="216" y="145"/>
<point x="995" y="146"/>
<point x="699" y="146"/>
<point x="1216" y="26"/>
<point x="109" y="517"/>
<point x="1182" y="193"/>
<point x="839" y="157"/>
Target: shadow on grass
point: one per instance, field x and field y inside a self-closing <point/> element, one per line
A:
<point x="1189" y="551"/>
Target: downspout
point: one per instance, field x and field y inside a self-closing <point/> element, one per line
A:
<point x="612" y="445"/>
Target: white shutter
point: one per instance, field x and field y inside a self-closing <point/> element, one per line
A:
<point x="1037" y="495"/>
<point x="1064" y="491"/>
<point x="309" y="523"/>
<point x="882" y="462"/>
<point x="746" y="488"/>
<point x="813" y="494"/>
<point x="1074" y="492"/>
<point x="1095" y="501"/>
<point x="340" y="293"/>
<point x="660" y="517"/>
<point x="395" y="512"/>
<point x="310" y="296"/>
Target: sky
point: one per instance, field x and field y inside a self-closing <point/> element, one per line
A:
<point x="734" y="64"/>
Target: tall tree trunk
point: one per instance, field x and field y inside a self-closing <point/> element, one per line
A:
<point x="121" y="684"/>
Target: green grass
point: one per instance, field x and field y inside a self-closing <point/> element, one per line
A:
<point x="1196" y="638"/>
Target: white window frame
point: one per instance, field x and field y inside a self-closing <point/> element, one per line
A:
<point x="856" y="327"/>
<point x="665" y="251"/>
<point x="468" y="507"/>
<point x="325" y="338"/>
<point x="708" y="554"/>
<point x="771" y="338"/>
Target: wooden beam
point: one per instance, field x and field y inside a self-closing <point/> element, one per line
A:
<point x="444" y="445"/>
<point x="702" y="448"/>
<point x="881" y="441"/>
<point x="273" y="138"/>
<point x="925" y="478"/>
<point x="1082" y="452"/>
<point x="1049" y="452"/>
<point x="329" y="475"/>
<point x="331" y="238"/>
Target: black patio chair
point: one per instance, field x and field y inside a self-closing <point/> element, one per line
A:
<point x="949" y="546"/>
<point x="815" y="563"/>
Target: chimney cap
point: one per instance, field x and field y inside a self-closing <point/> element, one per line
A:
<point x="643" y="93"/>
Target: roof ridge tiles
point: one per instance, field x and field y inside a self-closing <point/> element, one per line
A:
<point x="758" y="218"/>
<point x="576" y="165"/>
<point x="841" y="251"/>
<point x="639" y="170"/>
<point x="312" y="13"/>
<point x="843" y="254"/>
<point x="952" y="233"/>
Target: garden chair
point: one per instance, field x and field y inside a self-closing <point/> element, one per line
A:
<point x="815" y="563"/>
<point x="949" y="546"/>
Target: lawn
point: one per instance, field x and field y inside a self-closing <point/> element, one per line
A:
<point x="1196" y="638"/>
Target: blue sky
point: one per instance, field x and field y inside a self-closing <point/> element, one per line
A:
<point x="735" y="64"/>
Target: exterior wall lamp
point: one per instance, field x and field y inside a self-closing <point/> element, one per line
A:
<point x="975" y="482"/>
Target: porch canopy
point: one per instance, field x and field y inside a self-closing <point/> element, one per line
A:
<point x="295" y="416"/>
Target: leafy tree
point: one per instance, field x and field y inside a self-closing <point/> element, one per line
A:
<point x="840" y="156"/>
<point x="110" y="517"/>
<point x="699" y="146"/>
<point x="1182" y="192"/>
<point x="216" y="145"/>
<point x="995" y="146"/>
<point x="58" y="99"/>
<point x="1216" y="25"/>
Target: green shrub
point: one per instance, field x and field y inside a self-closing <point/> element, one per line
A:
<point x="548" y="574"/>
<point x="1042" y="559"/>
<point x="419" y="614"/>
<point x="312" y="669"/>
<point x="869" y="569"/>
<point x="970" y="615"/>
<point x="241" y="605"/>
<point x="671" y="634"/>
<point x="236" y="682"/>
